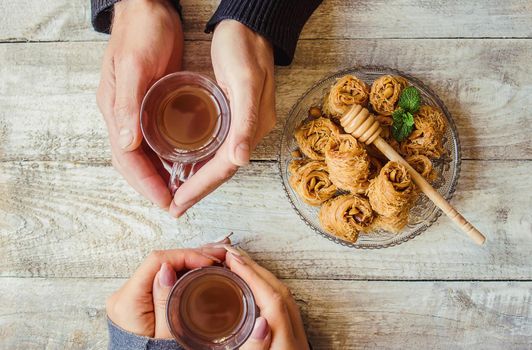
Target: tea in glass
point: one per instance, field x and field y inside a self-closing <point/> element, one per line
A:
<point x="211" y="308"/>
<point x="184" y="118"/>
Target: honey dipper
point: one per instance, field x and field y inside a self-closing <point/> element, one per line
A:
<point x="364" y="127"/>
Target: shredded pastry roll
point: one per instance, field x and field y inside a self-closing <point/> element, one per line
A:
<point x="385" y="92"/>
<point x="296" y="164"/>
<point x="315" y="136"/>
<point x="347" y="91"/>
<point x="423" y="166"/>
<point x="394" y="223"/>
<point x="311" y="182"/>
<point x="430" y="117"/>
<point x="392" y="190"/>
<point x="384" y="120"/>
<point x="375" y="166"/>
<point x="346" y="215"/>
<point x="426" y="138"/>
<point x="348" y="165"/>
<point x="422" y="141"/>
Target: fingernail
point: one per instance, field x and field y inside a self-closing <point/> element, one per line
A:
<point x="222" y="239"/>
<point x="261" y="329"/>
<point x="237" y="252"/>
<point x="238" y="258"/>
<point x="234" y="250"/>
<point x="125" y="138"/>
<point x="208" y="256"/>
<point x="242" y="251"/>
<point x="219" y="240"/>
<point x="167" y="276"/>
<point x="242" y="154"/>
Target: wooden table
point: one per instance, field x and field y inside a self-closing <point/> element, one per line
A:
<point x="72" y="230"/>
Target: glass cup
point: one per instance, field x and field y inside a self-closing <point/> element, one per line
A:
<point x="177" y="309"/>
<point x="182" y="163"/>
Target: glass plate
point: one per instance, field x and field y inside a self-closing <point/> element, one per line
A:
<point x="424" y="213"/>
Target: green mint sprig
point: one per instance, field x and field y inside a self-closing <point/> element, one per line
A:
<point x="410" y="99"/>
<point x="403" y="123"/>
<point x="403" y="117"/>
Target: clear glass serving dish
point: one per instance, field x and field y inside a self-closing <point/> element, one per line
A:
<point x="424" y="213"/>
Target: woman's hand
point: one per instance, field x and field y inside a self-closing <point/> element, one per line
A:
<point x="280" y="326"/>
<point x="139" y="306"/>
<point x="146" y="43"/>
<point x="243" y="65"/>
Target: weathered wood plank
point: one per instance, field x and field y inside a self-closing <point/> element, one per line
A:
<point x="68" y="220"/>
<point x="47" y="92"/>
<point x="63" y="20"/>
<point x="337" y="314"/>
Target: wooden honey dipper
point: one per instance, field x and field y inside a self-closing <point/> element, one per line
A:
<point x="364" y="127"/>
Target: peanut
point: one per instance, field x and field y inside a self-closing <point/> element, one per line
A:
<point x="314" y="112"/>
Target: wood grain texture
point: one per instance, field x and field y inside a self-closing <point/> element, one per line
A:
<point x="64" y="20"/>
<point x="377" y="315"/>
<point x="47" y="92"/>
<point x="70" y="220"/>
<point x="67" y="216"/>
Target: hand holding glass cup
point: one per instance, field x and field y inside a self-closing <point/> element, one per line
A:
<point x="184" y="118"/>
<point x="173" y="292"/>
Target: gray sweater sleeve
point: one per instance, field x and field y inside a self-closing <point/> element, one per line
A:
<point x="120" y="339"/>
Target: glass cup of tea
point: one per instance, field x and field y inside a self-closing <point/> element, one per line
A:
<point x="211" y="308"/>
<point x="184" y="118"/>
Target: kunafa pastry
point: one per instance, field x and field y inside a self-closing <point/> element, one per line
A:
<point x="394" y="223"/>
<point x="430" y="117"/>
<point x="426" y="138"/>
<point x="384" y="120"/>
<point x="346" y="215"/>
<point x="311" y="181"/>
<point x="392" y="190"/>
<point x="385" y="92"/>
<point x="347" y="91"/>
<point x="423" y="166"/>
<point x="315" y="136"/>
<point x="348" y="164"/>
<point x="422" y="141"/>
<point x="375" y="166"/>
<point x="358" y="189"/>
<point x="295" y="164"/>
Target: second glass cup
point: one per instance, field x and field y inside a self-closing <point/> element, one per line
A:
<point x="211" y="308"/>
<point x="184" y="118"/>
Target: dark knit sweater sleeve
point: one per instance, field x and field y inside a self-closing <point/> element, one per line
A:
<point x="102" y="13"/>
<point x="280" y="21"/>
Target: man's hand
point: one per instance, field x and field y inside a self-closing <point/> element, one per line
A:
<point x="243" y="65"/>
<point x="146" y="43"/>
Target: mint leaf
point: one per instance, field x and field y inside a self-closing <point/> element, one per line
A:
<point x="403" y="124"/>
<point x="408" y="119"/>
<point x="398" y="114"/>
<point x="410" y="99"/>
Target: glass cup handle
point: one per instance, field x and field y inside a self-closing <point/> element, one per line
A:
<point x="179" y="173"/>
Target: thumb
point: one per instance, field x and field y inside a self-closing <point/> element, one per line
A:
<point x="245" y="102"/>
<point x="162" y="284"/>
<point x="131" y="85"/>
<point x="261" y="336"/>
